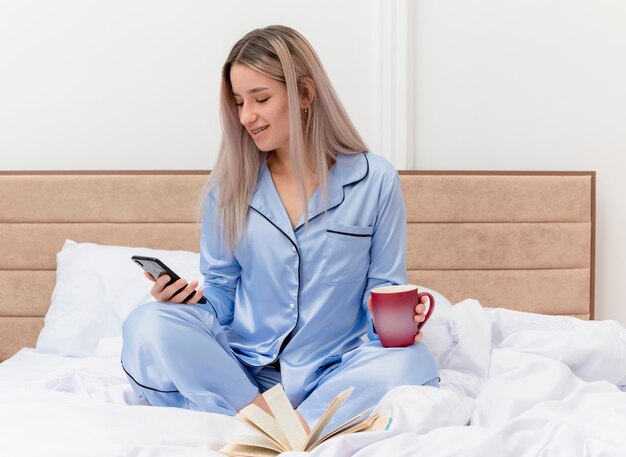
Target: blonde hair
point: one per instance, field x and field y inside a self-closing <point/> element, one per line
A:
<point x="285" y="55"/>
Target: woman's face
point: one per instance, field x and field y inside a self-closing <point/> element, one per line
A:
<point x="263" y="107"/>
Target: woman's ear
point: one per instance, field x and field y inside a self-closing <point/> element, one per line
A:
<point x="307" y="91"/>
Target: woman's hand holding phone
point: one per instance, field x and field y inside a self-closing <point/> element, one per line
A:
<point x="175" y="292"/>
<point x="168" y="286"/>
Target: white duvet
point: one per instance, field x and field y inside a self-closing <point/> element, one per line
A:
<point x="513" y="384"/>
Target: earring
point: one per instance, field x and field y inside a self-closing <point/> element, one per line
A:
<point x="306" y="111"/>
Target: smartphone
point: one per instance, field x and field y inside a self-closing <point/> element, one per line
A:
<point x="157" y="269"/>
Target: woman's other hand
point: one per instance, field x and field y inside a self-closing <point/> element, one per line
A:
<point x="420" y="315"/>
<point x="169" y="294"/>
<point x="420" y="310"/>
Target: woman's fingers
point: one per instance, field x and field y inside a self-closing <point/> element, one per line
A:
<point x="420" y="309"/>
<point x="173" y="293"/>
<point x="197" y="296"/>
<point x="418" y="337"/>
<point x="369" y="305"/>
<point x="176" y="292"/>
<point x="149" y="276"/>
<point x="185" y="289"/>
<point x="158" y="286"/>
<point x="160" y="283"/>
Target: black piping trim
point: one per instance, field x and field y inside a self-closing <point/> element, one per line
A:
<point x="288" y="337"/>
<point x="213" y="307"/>
<point x="349" y="234"/>
<point x="146" y="387"/>
<point x="367" y="172"/>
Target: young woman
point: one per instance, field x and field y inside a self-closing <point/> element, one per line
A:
<point x="300" y="222"/>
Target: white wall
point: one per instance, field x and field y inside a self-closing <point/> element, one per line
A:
<point x="530" y="85"/>
<point x="487" y="84"/>
<point x="133" y="84"/>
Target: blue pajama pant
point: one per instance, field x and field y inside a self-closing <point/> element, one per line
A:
<point x="178" y="355"/>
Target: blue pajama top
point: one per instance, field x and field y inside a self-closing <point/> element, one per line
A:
<point x="300" y="294"/>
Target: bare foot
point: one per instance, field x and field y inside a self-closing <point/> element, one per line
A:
<point x="261" y="403"/>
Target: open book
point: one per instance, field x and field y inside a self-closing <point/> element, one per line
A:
<point x="284" y="432"/>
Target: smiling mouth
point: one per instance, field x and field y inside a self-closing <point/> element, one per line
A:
<point x="259" y="130"/>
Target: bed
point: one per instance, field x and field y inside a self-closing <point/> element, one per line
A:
<point x="510" y="256"/>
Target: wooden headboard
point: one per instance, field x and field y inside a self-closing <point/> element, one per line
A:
<point x="522" y="240"/>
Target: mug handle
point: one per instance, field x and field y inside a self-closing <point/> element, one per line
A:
<point x="431" y="307"/>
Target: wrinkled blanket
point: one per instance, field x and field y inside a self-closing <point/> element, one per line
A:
<point x="512" y="384"/>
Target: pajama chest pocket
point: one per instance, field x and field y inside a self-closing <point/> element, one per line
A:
<point x="346" y="253"/>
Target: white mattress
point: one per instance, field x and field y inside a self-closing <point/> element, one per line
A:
<point x="514" y="384"/>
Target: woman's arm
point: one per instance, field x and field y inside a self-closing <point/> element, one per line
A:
<point x="219" y="267"/>
<point x="388" y="248"/>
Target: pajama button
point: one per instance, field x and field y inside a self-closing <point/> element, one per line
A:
<point x="292" y="306"/>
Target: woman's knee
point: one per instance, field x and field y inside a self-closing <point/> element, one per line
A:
<point x="137" y="315"/>
<point x="409" y="365"/>
<point x="146" y="322"/>
<point x="158" y="321"/>
<point x="416" y="364"/>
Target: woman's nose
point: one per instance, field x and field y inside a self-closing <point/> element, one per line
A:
<point x="246" y="115"/>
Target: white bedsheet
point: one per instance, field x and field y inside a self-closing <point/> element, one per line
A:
<point x="513" y="384"/>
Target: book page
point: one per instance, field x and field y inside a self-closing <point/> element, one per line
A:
<point x="355" y="420"/>
<point x="375" y="423"/>
<point x="286" y="417"/>
<point x="265" y="423"/>
<point x="251" y="445"/>
<point x="332" y="409"/>
<point x="254" y="427"/>
<point x="380" y="424"/>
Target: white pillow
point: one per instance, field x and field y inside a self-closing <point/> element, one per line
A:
<point x="96" y="288"/>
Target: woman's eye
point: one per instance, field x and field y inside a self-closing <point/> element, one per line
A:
<point x="239" y="104"/>
<point x="263" y="100"/>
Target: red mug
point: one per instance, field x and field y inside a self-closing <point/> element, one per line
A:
<point x="393" y="308"/>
